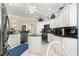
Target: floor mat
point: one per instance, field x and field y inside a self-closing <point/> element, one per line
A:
<point x="18" y="50"/>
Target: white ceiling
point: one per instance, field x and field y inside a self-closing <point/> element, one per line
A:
<point x="31" y="10"/>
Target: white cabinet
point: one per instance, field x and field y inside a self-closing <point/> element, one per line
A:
<point x="70" y="15"/>
<point x="73" y="15"/>
<point x="67" y="17"/>
<point x="70" y="45"/>
<point x="52" y="38"/>
<point x="62" y="19"/>
<point x="14" y="40"/>
<point x="34" y="44"/>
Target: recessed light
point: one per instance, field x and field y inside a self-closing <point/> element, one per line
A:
<point x="12" y="4"/>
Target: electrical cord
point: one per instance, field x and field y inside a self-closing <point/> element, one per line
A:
<point x="5" y="31"/>
<point x="8" y="35"/>
<point x="7" y="46"/>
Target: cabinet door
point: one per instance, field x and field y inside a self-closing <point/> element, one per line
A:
<point x="70" y="15"/>
<point x="34" y="44"/>
<point x="66" y="15"/>
<point x="63" y="18"/>
<point x="70" y="46"/>
<point x="73" y="15"/>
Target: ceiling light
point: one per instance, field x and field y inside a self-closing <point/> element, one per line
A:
<point x="31" y="11"/>
<point x="34" y="7"/>
<point x="49" y="9"/>
<point x="12" y="4"/>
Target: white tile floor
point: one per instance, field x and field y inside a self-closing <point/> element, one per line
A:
<point x="14" y="40"/>
<point x="43" y="51"/>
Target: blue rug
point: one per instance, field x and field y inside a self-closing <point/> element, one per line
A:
<point x="18" y="50"/>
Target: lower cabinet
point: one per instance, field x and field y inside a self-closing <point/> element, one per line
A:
<point x="70" y="44"/>
<point x="45" y="37"/>
<point x="35" y="44"/>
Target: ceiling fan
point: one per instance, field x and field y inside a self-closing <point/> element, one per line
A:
<point x="31" y="9"/>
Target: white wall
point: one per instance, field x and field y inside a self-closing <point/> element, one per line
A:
<point x="17" y="22"/>
<point x="40" y="26"/>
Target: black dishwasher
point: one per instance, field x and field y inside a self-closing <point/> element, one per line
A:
<point x="45" y="32"/>
<point x="23" y="37"/>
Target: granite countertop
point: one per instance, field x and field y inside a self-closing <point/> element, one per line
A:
<point x="34" y="35"/>
<point x="14" y="33"/>
<point x="28" y="34"/>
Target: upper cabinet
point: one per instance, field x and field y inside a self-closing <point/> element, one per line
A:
<point x="67" y="17"/>
<point x="73" y="15"/>
<point x="70" y="15"/>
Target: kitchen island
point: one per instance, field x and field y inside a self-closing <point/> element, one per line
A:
<point x="35" y="43"/>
